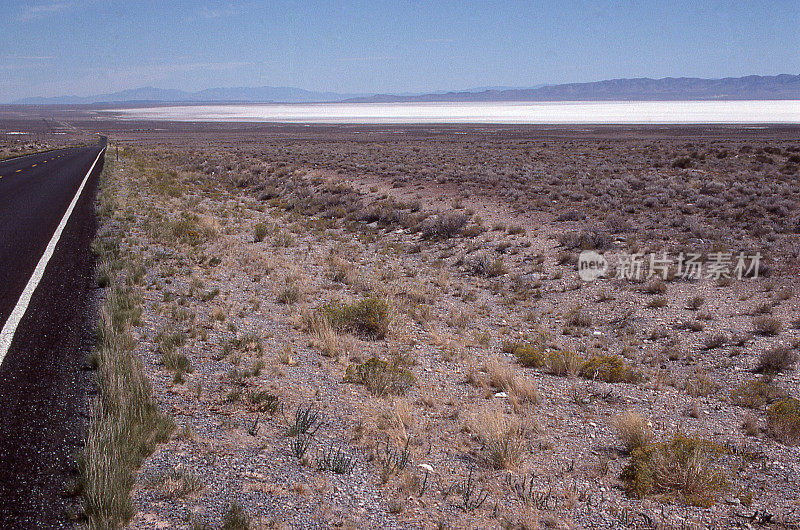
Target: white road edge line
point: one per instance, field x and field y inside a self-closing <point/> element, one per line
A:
<point x="10" y="327"/>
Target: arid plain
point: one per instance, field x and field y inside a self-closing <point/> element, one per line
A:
<point x="386" y="327"/>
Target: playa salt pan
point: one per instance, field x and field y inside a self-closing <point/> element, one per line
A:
<point x="582" y="112"/>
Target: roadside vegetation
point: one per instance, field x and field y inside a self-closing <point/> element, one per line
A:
<point x="126" y="424"/>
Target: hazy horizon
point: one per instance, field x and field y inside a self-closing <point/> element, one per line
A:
<point x="382" y="47"/>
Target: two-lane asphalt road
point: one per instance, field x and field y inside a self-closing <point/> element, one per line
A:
<point x="46" y="282"/>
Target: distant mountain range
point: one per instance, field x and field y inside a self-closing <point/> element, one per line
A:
<point x="643" y="89"/>
<point x="782" y="86"/>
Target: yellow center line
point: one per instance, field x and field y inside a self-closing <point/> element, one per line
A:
<point x="18" y="171"/>
<point x="33" y="165"/>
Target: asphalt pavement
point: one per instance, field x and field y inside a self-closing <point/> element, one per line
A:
<point x="45" y="384"/>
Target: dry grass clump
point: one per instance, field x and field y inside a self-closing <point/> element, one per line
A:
<point x="783" y="421"/>
<point x="284" y="240"/>
<point x="694" y="303"/>
<point x="700" y="384"/>
<point x="657" y="302"/>
<point x="681" y="468"/>
<point x="168" y="344"/>
<point x="249" y="343"/>
<point x="776" y="359"/>
<point x="260" y="231"/>
<point x="178" y="483"/>
<point x="342" y="271"/>
<point x="564" y="362"/>
<point x="126" y="424"/>
<point x="578" y="317"/>
<point x="655" y="286"/>
<point x="504" y="376"/>
<point x="633" y="430"/>
<point x="444" y="225"/>
<point x="503" y="438"/>
<point x="483" y="264"/>
<point x="236" y="518"/>
<point x="262" y="401"/>
<point x="325" y="337"/>
<point x="368" y="317"/>
<point x="190" y="229"/>
<point x="711" y="342"/>
<point x="104" y="273"/>
<point x="290" y="292"/>
<point x="750" y="425"/>
<point x="586" y="240"/>
<point x="767" y="325"/>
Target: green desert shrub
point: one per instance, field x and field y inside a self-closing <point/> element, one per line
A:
<point x="529" y="355"/>
<point x="368" y="317"/>
<point x="756" y="393"/>
<point x="682" y="469"/>
<point x="783" y="421"/>
<point x="380" y="377"/>
<point x="609" y="368"/>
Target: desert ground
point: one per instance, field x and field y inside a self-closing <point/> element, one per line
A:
<point x="386" y="327"/>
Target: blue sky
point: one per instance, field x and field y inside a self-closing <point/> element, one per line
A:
<point x="83" y="47"/>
